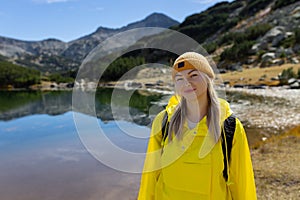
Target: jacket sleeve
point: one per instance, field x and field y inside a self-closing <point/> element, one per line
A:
<point x="151" y="169"/>
<point x="241" y="182"/>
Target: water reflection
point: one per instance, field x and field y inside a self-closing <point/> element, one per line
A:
<point x="23" y="103"/>
<point x="42" y="157"/>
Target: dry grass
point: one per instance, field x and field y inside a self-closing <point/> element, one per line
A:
<point x="252" y="75"/>
<point x="276" y="166"/>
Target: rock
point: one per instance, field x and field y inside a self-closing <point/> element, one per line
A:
<point x="259" y="46"/>
<point x="295" y="60"/>
<point x="226" y="82"/>
<point x="159" y="83"/>
<point x="289" y="51"/>
<point x="132" y="84"/>
<point x="295" y="85"/>
<point x="273" y="33"/>
<point x="277" y="39"/>
<point x="250" y="61"/>
<point x="235" y="67"/>
<point x="289" y="34"/>
<point x="222" y="71"/>
<point x="268" y="56"/>
<point x="277" y="62"/>
<point x="292" y="81"/>
<point x="262" y="86"/>
<point x="274" y="78"/>
<point x="296" y="48"/>
<point x="296" y="13"/>
<point x="239" y="86"/>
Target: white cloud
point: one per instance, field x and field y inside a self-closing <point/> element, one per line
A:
<point x="64" y="154"/>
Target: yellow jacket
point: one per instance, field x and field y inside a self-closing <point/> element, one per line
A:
<point x="177" y="172"/>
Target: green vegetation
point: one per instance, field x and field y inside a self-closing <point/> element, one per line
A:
<point x="17" y="76"/>
<point x="254" y="6"/>
<point x="292" y="40"/>
<point x="297" y="36"/>
<point x="120" y="66"/>
<point x="242" y="42"/>
<point x="287" y="74"/>
<point x="250" y="34"/>
<point x="237" y="52"/>
<point x="215" y="19"/>
<point x="2" y="58"/>
<point x="282" y="3"/>
<point x="11" y="100"/>
<point x="137" y="100"/>
<point x="210" y="47"/>
<point x="58" y="78"/>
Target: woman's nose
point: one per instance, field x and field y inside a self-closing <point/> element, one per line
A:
<point x="186" y="82"/>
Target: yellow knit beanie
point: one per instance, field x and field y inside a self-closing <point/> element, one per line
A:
<point x="192" y="60"/>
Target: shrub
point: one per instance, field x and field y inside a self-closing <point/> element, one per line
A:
<point x="237" y="52"/>
<point x="120" y="66"/>
<point x="250" y="34"/>
<point x="17" y="76"/>
<point x="287" y="74"/>
<point x="282" y="3"/>
<point x="210" y="47"/>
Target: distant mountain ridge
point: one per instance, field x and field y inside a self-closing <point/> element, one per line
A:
<point x="237" y="34"/>
<point x="52" y="55"/>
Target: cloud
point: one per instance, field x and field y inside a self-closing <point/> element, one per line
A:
<point x="65" y="154"/>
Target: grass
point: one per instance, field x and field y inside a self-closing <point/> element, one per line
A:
<point x="253" y="75"/>
<point x="276" y="166"/>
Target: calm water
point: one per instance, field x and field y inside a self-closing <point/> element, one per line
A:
<point x="42" y="156"/>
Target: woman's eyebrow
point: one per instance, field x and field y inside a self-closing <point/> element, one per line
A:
<point x="178" y="74"/>
<point x="192" y="71"/>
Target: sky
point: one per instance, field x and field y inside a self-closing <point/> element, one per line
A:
<point x="66" y="20"/>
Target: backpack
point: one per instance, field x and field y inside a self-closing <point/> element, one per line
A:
<point x="227" y="137"/>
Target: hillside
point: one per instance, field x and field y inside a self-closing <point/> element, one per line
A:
<point x="239" y="35"/>
<point x="52" y="55"/>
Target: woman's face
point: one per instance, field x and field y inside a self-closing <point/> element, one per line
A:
<point x="190" y="84"/>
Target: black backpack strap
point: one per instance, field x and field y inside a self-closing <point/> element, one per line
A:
<point x="164" y="127"/>
<point x="229" y="127"/>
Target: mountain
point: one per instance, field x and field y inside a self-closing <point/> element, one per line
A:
<point x="248" y="33"/>
<point x="237" y="34"/>
<point x="242" y="34"/>
<point x="53" y="55"/>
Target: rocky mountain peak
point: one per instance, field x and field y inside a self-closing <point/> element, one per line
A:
<point x="55" y="55"/>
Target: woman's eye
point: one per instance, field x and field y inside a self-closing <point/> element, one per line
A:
<point x="194" y="75"/>
<point x="179" y="79"/>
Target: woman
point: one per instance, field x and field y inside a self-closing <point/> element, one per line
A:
<point x="189" y="163"/>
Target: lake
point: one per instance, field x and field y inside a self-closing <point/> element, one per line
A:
<point x="43" y="155"/>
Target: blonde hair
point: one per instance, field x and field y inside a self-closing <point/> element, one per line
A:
<point x="213" y="114"/>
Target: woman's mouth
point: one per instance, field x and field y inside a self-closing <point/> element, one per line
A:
<point x="189" y="90"/>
